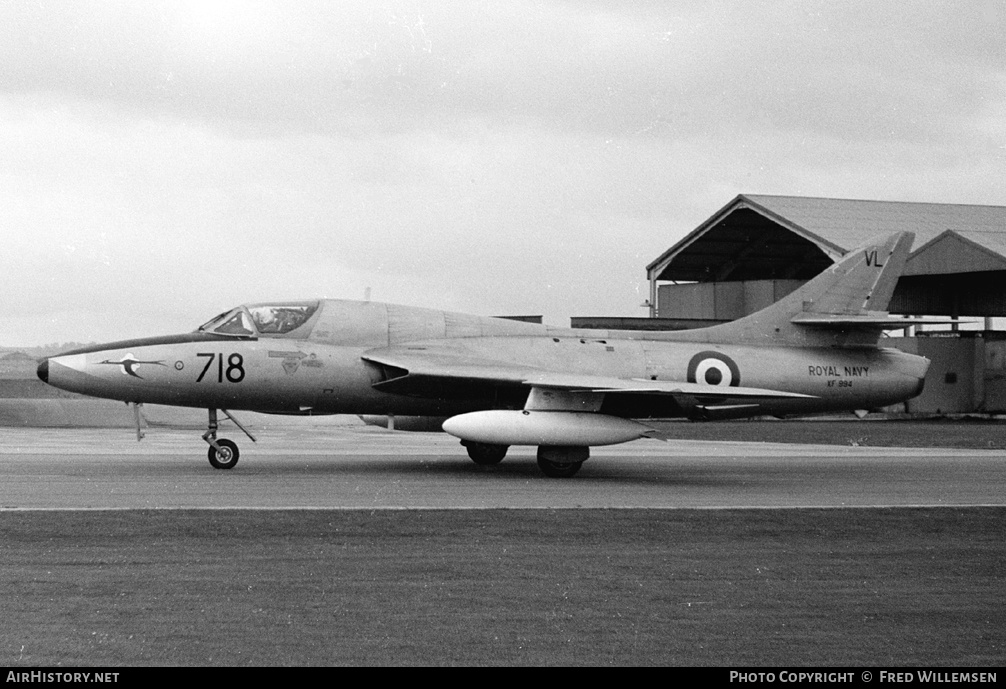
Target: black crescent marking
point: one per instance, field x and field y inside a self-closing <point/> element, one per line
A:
<point x="129" y="365"/>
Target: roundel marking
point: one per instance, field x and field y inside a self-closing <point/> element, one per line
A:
<point x="713" y="368"/>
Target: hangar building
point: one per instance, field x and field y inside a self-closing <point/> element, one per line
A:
<point x="756" y="249"/>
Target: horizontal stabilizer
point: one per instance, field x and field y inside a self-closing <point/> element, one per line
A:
<point x="870" y="321"/>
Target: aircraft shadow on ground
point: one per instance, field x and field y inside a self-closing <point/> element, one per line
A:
<point x="611" y="472"/>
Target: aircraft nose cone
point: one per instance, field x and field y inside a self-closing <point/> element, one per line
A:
<point x="43" y="371"/>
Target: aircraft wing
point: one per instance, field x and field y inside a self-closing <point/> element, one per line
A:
<point x="587" y="383"/>
<point x="419" y="372"/>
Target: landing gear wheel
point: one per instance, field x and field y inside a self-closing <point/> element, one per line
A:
<point x="486" y="454"/>
<point x="558" y="469"/>
<point x="226" y="457"/>
<point x="561" y="462"/>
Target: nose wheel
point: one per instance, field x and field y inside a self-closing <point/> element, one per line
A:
<point x="223" y="453"/>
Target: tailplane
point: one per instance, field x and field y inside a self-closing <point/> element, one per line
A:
<point x="844" y="305"/>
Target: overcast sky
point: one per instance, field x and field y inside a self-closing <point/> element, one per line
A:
<point x="163" y="161"/>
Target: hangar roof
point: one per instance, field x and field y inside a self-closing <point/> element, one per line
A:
<point x="758" y="237"/>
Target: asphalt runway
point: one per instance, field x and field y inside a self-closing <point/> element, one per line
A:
<point x="362" y="467"/>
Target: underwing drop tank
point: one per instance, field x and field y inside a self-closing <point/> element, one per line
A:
<point x="550" y="428"/>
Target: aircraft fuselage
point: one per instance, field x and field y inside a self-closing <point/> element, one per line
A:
<point x="499" y="382"/>
<point x="321" y="368"/>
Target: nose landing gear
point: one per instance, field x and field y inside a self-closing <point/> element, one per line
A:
<point x="223" y="453"/>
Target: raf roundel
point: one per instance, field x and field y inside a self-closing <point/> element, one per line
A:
<point x="713" y="368"/>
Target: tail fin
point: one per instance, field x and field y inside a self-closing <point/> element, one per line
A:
<point x="844" y="305"/>
<point x="863" y="281"/>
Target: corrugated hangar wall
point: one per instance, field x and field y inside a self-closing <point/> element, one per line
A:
<point x="722" y="301"/>
<point x="757" y="249"/>
<point x="967" y="374"/>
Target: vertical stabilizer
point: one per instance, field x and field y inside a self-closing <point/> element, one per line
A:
<point x="844" y="305"/>
<point x="864" y="280"/>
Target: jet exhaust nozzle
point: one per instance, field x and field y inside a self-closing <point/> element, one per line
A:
<point x="566" y="428"/>
<point x="43" y="370"/>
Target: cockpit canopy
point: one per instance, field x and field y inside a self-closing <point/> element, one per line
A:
<point x="261" y="319"/>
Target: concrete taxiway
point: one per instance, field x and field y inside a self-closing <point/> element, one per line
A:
<point x="333" y="467"/>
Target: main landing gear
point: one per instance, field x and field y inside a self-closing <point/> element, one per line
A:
<point x="486" y="454"/>
<point x="561" y="461"/>
<point x="223" y="453"/>
<point x="554" y="461"/>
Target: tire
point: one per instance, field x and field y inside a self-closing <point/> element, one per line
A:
<point x="226" y="457"/>
<point x="558" y="469"/>
<point x="561" y="462"/>
<point x="486" y="454"/>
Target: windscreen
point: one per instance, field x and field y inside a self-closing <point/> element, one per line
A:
<point x="238" y="324"/>
<point x="233" y="322"/>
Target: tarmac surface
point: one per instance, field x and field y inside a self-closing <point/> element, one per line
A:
<point x="362" y="467"/>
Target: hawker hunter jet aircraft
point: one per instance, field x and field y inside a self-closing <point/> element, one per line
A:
<point x="500" y="383"/>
